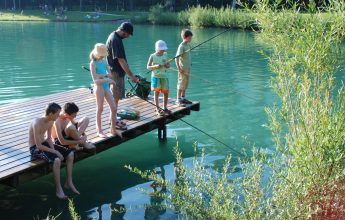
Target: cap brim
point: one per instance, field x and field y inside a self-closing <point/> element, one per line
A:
<point x="130" y="33"/>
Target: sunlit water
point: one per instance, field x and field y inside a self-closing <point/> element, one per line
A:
<point x="230" y="80"/>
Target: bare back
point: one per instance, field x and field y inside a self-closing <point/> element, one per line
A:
<point x="62" y="124"/>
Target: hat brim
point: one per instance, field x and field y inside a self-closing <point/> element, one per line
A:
<point x="130" y="33"/>
<point x="162" y="48"/>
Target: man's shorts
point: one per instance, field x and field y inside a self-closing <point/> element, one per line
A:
<point x="118" y="90"/>
<point x="160" y="85"/>
<point x="48" y="156"/>
<point x="183" y="80"/>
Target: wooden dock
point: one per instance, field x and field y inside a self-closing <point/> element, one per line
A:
<point x="16" y="163"/>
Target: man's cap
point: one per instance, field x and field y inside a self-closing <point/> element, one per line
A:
<point x="126" y="27"/>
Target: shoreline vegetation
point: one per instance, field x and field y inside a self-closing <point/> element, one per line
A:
<point x="224" y="17"/>
<point x="194" y="16"/>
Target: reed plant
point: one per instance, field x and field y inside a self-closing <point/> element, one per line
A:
<point x="217" y="17"/>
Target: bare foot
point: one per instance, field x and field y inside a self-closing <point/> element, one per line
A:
<point x="101" y="134"/>
<point x="72" y="188"/>
<point x="116" y="133"/>
<point x="89" y="146"/>
<point x="61" y="195"/>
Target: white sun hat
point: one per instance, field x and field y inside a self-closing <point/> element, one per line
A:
<point x="161" y="45"/>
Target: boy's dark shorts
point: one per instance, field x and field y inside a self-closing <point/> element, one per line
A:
<point x="48" y="156"/>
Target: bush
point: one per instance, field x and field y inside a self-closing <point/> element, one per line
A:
<point x="202" y="17"/>
<point x="183" y="17"/>
<point x="158" y="15"/>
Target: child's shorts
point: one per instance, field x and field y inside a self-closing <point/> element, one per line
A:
<point x="48" y="156"/>
<point x="160" y="85"/>
<point x="183" y="80"/>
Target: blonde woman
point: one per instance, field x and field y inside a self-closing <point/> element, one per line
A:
<point x="100" y="75"/>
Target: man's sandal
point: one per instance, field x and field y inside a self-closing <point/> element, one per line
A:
<point x="120" y="125"/>
<point x="160" y="112"/>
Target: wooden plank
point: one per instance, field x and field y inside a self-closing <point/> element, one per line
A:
<point x="38" y="108"/>
<point x="91" y="123"/>
<point x="15" y="127"/>
<point x="21" y="168"/>
<point x="90" y="108"/>
<point x="26" y="157"/>
<point x="25" y="105"/>
<point x="23" y="134"/>
<point x="15" y="118"/>
<point x="133" y="122"/>
<point x="8" y="153"/>
<point x="82" y="107"/>
<point x="8" y="158"/>
<point x="25" y="124"/>
<point x="36" y="99"/>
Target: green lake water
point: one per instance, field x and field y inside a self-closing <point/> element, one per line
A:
<point x="231" y="82"/>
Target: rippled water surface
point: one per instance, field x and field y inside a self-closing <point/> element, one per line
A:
<point x="230" y="80"/>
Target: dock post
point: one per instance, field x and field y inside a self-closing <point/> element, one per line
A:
<point x="162" y="132"/>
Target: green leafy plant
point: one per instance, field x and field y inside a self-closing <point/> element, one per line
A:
<point x="304" y="178"/>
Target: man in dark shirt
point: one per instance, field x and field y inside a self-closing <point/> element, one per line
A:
<point x="118" y="63"/>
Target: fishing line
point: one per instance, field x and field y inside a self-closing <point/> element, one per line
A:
<point x="191" y="125"/>
<point x="217" y="84"/>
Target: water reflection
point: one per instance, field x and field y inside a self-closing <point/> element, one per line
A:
<point x="156" y="207"/>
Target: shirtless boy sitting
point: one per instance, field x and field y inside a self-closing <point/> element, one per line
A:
<point x="68" y="133"/>
<point x="41" y="146"/>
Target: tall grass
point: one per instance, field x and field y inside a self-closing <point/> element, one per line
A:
<point x="222" y="17"/>
<point x="203" y="17"/>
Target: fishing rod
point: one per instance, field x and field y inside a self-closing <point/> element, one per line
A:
<point x="193" y="126"/>
<point x="177" y="56"/>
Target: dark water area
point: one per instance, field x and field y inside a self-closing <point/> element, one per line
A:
<point x="231" y="80"/>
